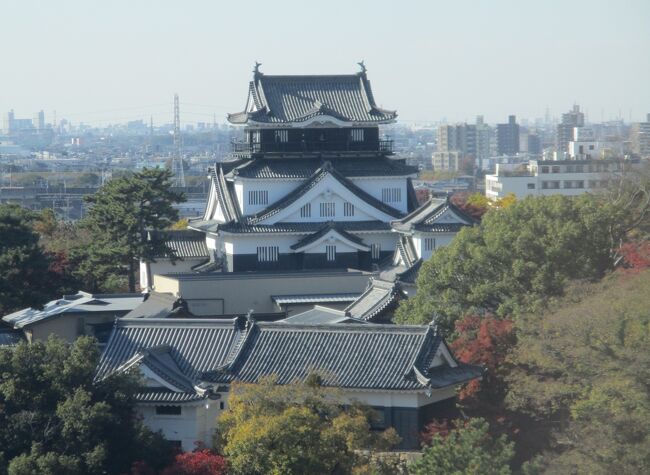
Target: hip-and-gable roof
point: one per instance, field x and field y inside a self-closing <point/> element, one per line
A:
<point x="294" y="99"/>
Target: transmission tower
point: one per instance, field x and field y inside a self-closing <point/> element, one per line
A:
<point x="177" y="161"/>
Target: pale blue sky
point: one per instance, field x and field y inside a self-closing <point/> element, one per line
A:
<point x="121" y="60"/>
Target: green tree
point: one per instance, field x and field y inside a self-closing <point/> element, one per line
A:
<point x="121" y="213"/>
<point x="56" y="421"/>
<point x="24" y="267"/>
<point x="466" y="450"/>
<point x="296" y="428"/>
<point x="516" y="259"/>
<point x="581" y="371"/>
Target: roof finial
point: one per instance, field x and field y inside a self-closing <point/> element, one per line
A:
<point x="363" y="67"/>
<point x="257" y="68"/>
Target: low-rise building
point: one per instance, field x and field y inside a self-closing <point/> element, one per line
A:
<point x="406" y="373"/>
<point x="553" y="177"/>
<point x="73" y="316"/>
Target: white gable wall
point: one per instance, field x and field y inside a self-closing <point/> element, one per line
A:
<point x="441" y="240"/>
<point x="326" y="190"/>
<point x="276" y="188"/>
<point x="374" y="187"/>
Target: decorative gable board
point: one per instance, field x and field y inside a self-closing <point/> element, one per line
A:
<point x="327" y="188"/>
<point x="332" y="238"/>
<point x="449" y="216"/>
<point x="152" y="380"/>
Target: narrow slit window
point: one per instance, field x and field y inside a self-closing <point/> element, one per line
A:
<point x="305" y="211"/>
<point x="391" y="195"/>
<point x="348" y="209"/>
<point x="327" y="210"/>
<point x="330" y="252"/>
<point x="429" y="244"/>
<point x="258" y="197"/>
<point x="268" y="253"/>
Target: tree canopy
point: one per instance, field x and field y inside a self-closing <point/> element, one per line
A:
<point x="292" y="429"/>
<point x="56" y="421"/>
<point x="121" y="212"/>
<point x="516" y="259"/>
<point x="25" y="277"/>
<point x="466" y="449"/>
<point x="583" y="367"/>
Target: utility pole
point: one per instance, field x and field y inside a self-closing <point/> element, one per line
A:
<point x="177" y="161"/>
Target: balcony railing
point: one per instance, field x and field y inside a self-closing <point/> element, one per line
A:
<point x="383" y="146"/>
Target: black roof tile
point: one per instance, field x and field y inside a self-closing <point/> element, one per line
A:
<point x="286" y="99"/>
<point x="306" y="167"/>
<point x="360" y="356"/>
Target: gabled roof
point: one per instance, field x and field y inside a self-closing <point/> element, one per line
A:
<point x="406" y="252"/>
<point x="82" y="302"/>
<point x="186" y="242"/>
<point x="349" y="167"/>
<point x="196" y="345"/>
<point x="357" y="356"/>
<point x="225" y="194"/>
<point x="287" y="99"/>
<point x="330" y="229"/>
<point x="380" y="297"/>
<point x="427" y="218"/>
<point x="317" y="177"/>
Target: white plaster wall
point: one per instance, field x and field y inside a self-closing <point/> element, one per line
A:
<point x="198" y="421"/>
<point x="373" y="186"/>
<point x="247" y="244"/>
<point x="183" y="427"/>
<point x="244" y="244"/>
<point x="325" y="191"/>
<point x="211" y="241"/>
<point x="359" y="214"/>
<point x="277" y="189"/>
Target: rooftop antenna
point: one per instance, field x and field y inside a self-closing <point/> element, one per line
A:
<point x="177" y="161"/>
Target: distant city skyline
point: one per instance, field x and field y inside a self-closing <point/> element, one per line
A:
<point x="98" y="63"/>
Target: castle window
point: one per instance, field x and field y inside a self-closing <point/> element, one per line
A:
<point x="330" y="252"/>
<point x="375" y="251"/>
<point x="258" y="197"/>
<point x="391" y="195"/>
<point x="429" y="244"/>
<point x="327" y="210"/>
<point x="268" y="253"/>
<point x="356" y="135"/>
<point x="348" y="209"/>
<point x="281" y="136"/>
<point x="305" y="211"/>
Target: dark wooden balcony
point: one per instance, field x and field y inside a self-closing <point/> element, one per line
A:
<point x="380" y="147"/>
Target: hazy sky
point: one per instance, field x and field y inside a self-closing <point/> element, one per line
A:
<point x="112" y="61"/>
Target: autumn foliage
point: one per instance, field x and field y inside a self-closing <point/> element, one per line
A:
<point x="636" y="256"/>
<point x="199" y="462"/>
<point x="483" y="340"/>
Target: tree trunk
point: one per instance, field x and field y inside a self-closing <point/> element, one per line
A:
<point x="131" y="275"/>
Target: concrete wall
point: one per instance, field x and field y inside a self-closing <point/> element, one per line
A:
<point x="240" y="292"/>
<point x="69" y="326"/>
